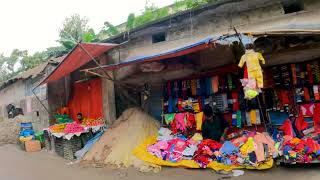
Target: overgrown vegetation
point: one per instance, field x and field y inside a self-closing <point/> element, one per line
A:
<point x="75" y="29"/>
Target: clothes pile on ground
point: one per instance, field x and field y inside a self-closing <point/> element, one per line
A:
<point x="251" y="149"/>
<point x="295" y="148"/>
<point x="117" y="143"/>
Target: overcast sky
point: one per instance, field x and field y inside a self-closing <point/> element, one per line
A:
<point x="33" y="25"/>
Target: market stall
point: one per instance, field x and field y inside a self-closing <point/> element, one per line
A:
<point x="69" y="137"/>
<point x="268" y="108"/>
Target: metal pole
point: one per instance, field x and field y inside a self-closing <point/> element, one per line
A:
<point x="105" y="72"/>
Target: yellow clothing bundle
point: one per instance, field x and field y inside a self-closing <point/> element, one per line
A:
<point x="252" y="58"/>
<point x="199" y="119"/>
<point x="247" y="147"/>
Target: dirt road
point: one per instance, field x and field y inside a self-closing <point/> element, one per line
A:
<point x="18" y="165"/>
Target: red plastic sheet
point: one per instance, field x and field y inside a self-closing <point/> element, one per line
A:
<point x="77" y="58"/>
<point x="87" y="99"/>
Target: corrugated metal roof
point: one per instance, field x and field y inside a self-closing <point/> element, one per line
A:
<point x="31" y="73"/>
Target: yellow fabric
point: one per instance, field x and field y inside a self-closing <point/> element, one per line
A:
<point x="252" y="58"/>
<point x="199" y="119"/>
<point x="247" y="147"/>
<point x="197" y="137"/>
<point x="253" y="117"/>
<point x="142" y="153"/>
<point x="257" y="75"/>
<point x="196" y="107"/>
<point x="25" y="139"/>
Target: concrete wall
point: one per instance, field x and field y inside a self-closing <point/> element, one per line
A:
<point x="217" y="22"/>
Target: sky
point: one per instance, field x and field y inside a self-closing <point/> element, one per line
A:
<point x="34" y="25"/>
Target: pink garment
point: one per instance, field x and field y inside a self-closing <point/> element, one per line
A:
<point x="175" y="149"/>
<point x="181" y="121"/>
<point x="155" y="149"/>
<point x="260" y="139"/>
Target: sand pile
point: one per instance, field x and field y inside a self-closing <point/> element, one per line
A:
<point x="116" y="145"/>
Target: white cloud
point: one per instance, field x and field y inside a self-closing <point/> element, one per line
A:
<point x="33" y="25"/>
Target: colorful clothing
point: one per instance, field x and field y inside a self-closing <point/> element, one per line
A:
<point x="253" y="117"/>
<point x="180" y="120"/>
<point x="252" y="58"/>
<point x="260" y="140"/>
<point x="215" y="84"/>
<point x="199" y="119"/>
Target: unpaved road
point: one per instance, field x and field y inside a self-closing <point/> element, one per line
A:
<point x="18" y="165"/>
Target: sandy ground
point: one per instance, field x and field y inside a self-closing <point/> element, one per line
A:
<point x="18" y="165"/>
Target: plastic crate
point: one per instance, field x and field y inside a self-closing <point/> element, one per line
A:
<point x="67" y="148"/>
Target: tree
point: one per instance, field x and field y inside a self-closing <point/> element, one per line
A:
<point x="37" y="58"/>
<point x="130" y="22"/>
<point x="73" y="30"/>
<point x="107" y="31"/>
<point x="56" y="51"/>
<point x="89" y="36"/>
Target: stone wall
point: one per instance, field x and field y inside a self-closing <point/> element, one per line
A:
<point x="19" y="95"/>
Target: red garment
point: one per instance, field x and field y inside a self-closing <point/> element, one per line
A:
<point x="310" y="76"/>
<point x="174" y="127"/>
<point x="180" y="108"/>
<point x="205" y="152"/>
<point x="200" y="103"/>
<point x="284" y="97"/>
<point x="306" y="94"/>
<point x="301" y="124"/>
<point x="245" y="74"/>
<point x="190" y="120"/>
<point x="307" y="110"/>
<point x="287" y="128"/>
<point x="316" y="116"/>
<point x="87" y="99"/>
<point x="235" y="97"/>
<point x="312" y="145"/>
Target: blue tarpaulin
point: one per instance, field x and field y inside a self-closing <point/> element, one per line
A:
<point x="191" y="48"/>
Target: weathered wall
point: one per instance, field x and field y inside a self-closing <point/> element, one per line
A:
<point x="217" y="22"/>
<point x="18" y="94"/>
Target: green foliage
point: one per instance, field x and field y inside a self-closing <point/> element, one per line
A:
<point x="151" y="13"/>
<point x="56" y="51"/>
<point x="89" y="36"/>
<point x="74" y="30"/>
<point x="130" y="22"/>
<point x="107" y="31"/>
<point x="29" y="62"/>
